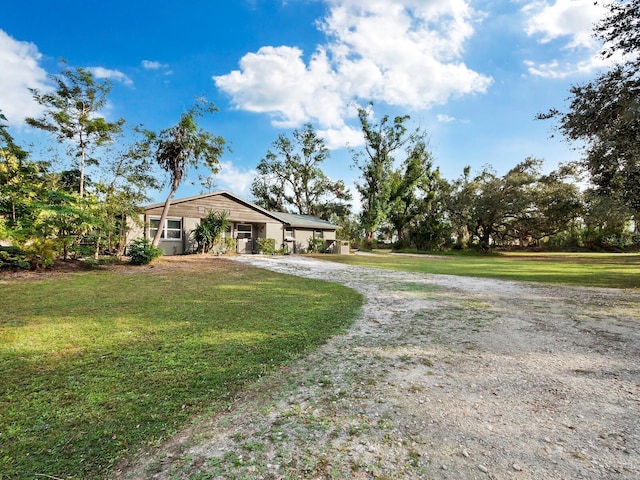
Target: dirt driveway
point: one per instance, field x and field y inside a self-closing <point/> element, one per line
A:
<point x="440" y="377"/>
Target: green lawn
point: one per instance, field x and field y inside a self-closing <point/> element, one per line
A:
<point x="597" y="270"/>
<point x="95" y="366"/>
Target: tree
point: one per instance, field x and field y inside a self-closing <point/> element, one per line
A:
<point x="376" y="165"/>
<point x="520" y="207"/>
<point x="604" y="114"/>
<point x="182" y="146"/>
<point x="410" y="185"/>
<point x="291" y="178"/>
<point x="430" y="228"/>
<point x="71" y="113"/>
<point x="620" y="30"/>
<point x="126" y="176"/>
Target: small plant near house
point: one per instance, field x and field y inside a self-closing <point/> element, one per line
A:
<point x="267" y="246"/>
<point x="229" y="244"/>
<point x="316" y="245"/>
<point x="142" y="252"/>
<point x="208" y="232"/>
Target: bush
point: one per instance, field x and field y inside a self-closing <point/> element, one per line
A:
<point x="267" y="246"/>
<point x="40" y="252"/>
<point x="13" y="258"/>
<point x="229" y="244"/>
<point x="142" y="252"/>
<point x="316" y="245"/>
<point x="207" y="233"/>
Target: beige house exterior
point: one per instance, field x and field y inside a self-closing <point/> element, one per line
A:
<point x="248" y="223"/>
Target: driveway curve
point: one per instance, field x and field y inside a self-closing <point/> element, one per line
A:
<point x="440" y="377"/>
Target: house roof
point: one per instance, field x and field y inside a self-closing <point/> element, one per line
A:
<point x="303" y="221"/>
<point x="289" y="219"/>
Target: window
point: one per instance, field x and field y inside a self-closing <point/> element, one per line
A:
<point x="317" y="234"/>
<point x="288" y="232"/>
<point x="172" y="228"/>
<point x="243" y="231"/>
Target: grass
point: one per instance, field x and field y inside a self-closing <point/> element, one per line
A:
<point x="98" y="365"/>
<point x="582" y="269"/>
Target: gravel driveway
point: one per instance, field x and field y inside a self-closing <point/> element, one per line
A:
<point x="440" y="377"/>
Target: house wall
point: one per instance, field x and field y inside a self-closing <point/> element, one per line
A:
<point x="275" y="231"/>
<point x="302" y="237"/>
<point x="188" y="225"/>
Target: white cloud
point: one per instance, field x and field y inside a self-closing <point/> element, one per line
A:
<point x="445" y="118"/>
<point x="345" y="137"/>
<point x="406" y="54"/>
<point x="20" y="70"/>
<point x="570" y="19"/>
<point x="117" y="75"/>
<point x="235" y="180"/>
<point x="571" y="22"/>
<point x="152" y="65"/>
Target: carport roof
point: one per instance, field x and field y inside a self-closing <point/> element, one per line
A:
<point x="304" y="221"/>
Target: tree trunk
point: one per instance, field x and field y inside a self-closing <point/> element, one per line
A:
<point x="163" y="216"/>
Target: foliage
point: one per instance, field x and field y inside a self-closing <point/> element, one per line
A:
<point x="229" y="244"/>
<point x="291" y="178"/>
<point x="126" y="176"/>
<point x="267" y="246"/>
<point x="208" y="232"/>
<point x="142" y="252"/>
<point x="99" y="365"/>
<point x="13" y="258"/>
<point x="604" y="114"/>
<point x="40" y="252"/>
<point x="182" y="146"/>
<point x="316" y="245"/>
<point x="376" y="165"/>
<point x="350" y="228"/>
<point x="519" y="208"/>
<point x="71" y="113"/>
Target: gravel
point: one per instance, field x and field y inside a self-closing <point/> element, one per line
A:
<point x="440" y="377"/>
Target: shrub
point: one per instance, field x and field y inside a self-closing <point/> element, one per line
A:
<point x="13" y="258"/>
<point x="316" y="245"/>
<point x="267" y="246"/>
<point x="207" y="233"/>
<point x="142" y="252"/>
<point x="229" y="244"/>
<point x="40" y="252"/>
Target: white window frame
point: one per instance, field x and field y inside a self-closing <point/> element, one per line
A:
<point x="288" y="230"/>
<point x="238" y="232"/>
<point x="165" y="229"/>
<point x="318" y="234"/>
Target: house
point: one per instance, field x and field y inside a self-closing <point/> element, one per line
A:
<point x="248" y="223"/>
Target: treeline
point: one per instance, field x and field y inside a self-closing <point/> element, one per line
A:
<point x="405" y="202"/>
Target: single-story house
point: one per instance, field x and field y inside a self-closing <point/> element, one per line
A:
<point x="248" y="223"/>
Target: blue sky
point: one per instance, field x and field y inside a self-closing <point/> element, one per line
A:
<point x="472" y="74"/>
